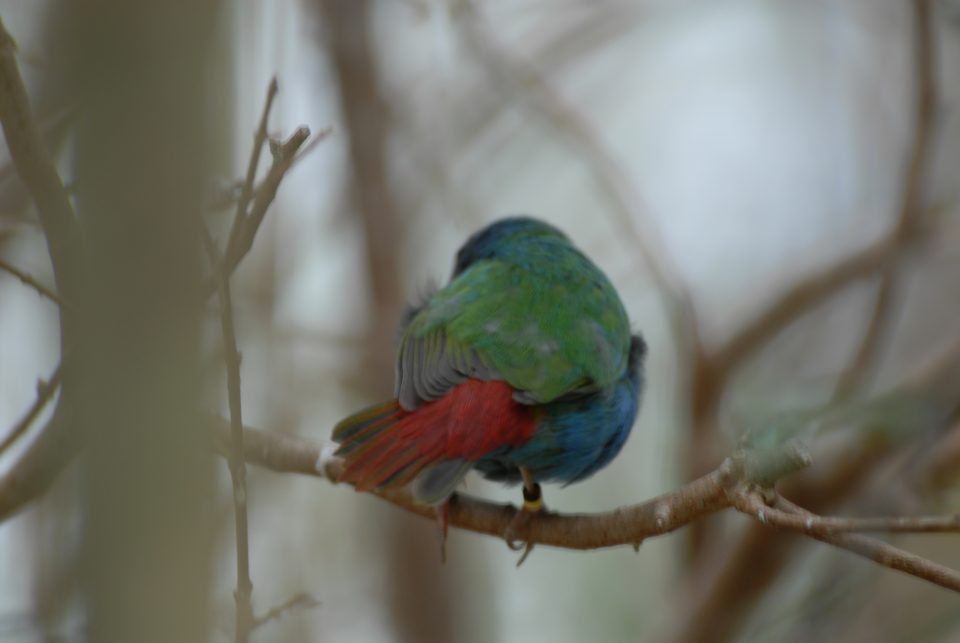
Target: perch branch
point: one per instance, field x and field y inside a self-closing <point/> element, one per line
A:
<point x="731" y="485"/>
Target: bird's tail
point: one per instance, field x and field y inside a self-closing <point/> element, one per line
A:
<point x="383" y="447"/>
<point x="435" y="445"/>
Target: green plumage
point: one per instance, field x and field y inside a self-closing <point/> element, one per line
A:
<point x="527" y="308"/>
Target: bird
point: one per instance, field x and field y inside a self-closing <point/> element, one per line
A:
<point x="522" y="368"/>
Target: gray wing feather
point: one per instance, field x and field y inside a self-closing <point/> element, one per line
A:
<point x="428" y="367"/>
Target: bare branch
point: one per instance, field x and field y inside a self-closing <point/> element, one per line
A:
<point x="885" y="554"/>
<point x="727" y="486"/>
<point x="808" y="523"/>
<point x="45" y="392"/>
<point x="624" y="526"/>
<point x="238" y="468"/>
<point x="925" y="98"/>
<point x="28" y="280"/>
<point x="284" y="155"/>
<point x="246" y="192"/>
<point x="298" y="601"/>
<point x="36" y="169"/>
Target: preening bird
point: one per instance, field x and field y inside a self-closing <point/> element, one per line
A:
<point x="522" y="367"/>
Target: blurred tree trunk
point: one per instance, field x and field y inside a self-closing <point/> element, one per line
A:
<point x="419" y="601"/>
<point x="137" y="72"/>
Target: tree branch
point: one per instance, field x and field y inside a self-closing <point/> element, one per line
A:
<point x="734" y="484"/>
<point x="814" y="525"/>
<point x="885" y="554"/>
<point x="238" y="470"/>
<point x="36" y="169"/>
<point x="29" y="280"/>
<point x="56" y="446"/>
<point x="246" y="193"/>
<point x="45" y="392"/>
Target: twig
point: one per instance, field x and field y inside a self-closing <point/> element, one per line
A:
<point x="29" y="280"/>
<point x="298" y="601"/>
<point x="246" y="192"/>
<point x="885" y="554"/>
<point x="36" y="169"/>
<point x="879" y="324"/>
<point x="814" y="525"/>
<point x="925" y="98"/>
<point x="56" y="445"/>
<point x="238" y="469"/>
<point x="284" y="155"/>
<point x="45" y="392"/>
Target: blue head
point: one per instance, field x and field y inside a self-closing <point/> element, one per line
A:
<point x="501" y="237"/>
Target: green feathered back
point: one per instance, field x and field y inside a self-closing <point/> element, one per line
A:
<point x="527" y="308"/>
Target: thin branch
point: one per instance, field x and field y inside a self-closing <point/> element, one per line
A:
<point x="238" y="469"/>
<point x="852" y="376"/>
<point x="814" y="525"/>
<point x="56" y="446"/>
<point x="925" y="99"/>
<point x="885" y="554"/>
<point x="284" y="156"/>
<point x="36" y="169"/>
<point x="30" y="281"/>
<point x="298" y="601"/>
<point x="45" y="392"/>
<point x="798" y="299"/>
<point x="246" y="192"/>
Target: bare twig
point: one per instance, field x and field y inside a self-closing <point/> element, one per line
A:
<point x="298" y="601"/>
<point x="36" y="169"/>
<point x="246" y="192"/>
<point x="29" y="280"/>
<point x="56" y="446"/>
<point x="925" y="98"/>
<point x="814" y="525"/>
<point x="885" y="554"/>
<point x="45" y="392"/>
<point x="879" y="323"/>
<point x="238" y="469"/>
<point x="284" y="155"/>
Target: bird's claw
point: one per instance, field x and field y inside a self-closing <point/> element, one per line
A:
<point x="532" y="504"/>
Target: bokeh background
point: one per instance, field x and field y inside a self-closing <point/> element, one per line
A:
<point x="736" y="147"/>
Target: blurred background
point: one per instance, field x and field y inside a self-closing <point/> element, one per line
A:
<point x="709" y="156"/>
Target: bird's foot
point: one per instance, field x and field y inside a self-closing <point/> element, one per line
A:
<point x="532" y="504"/>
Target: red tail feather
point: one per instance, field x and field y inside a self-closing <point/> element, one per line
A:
<point x="387" y="446"/>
